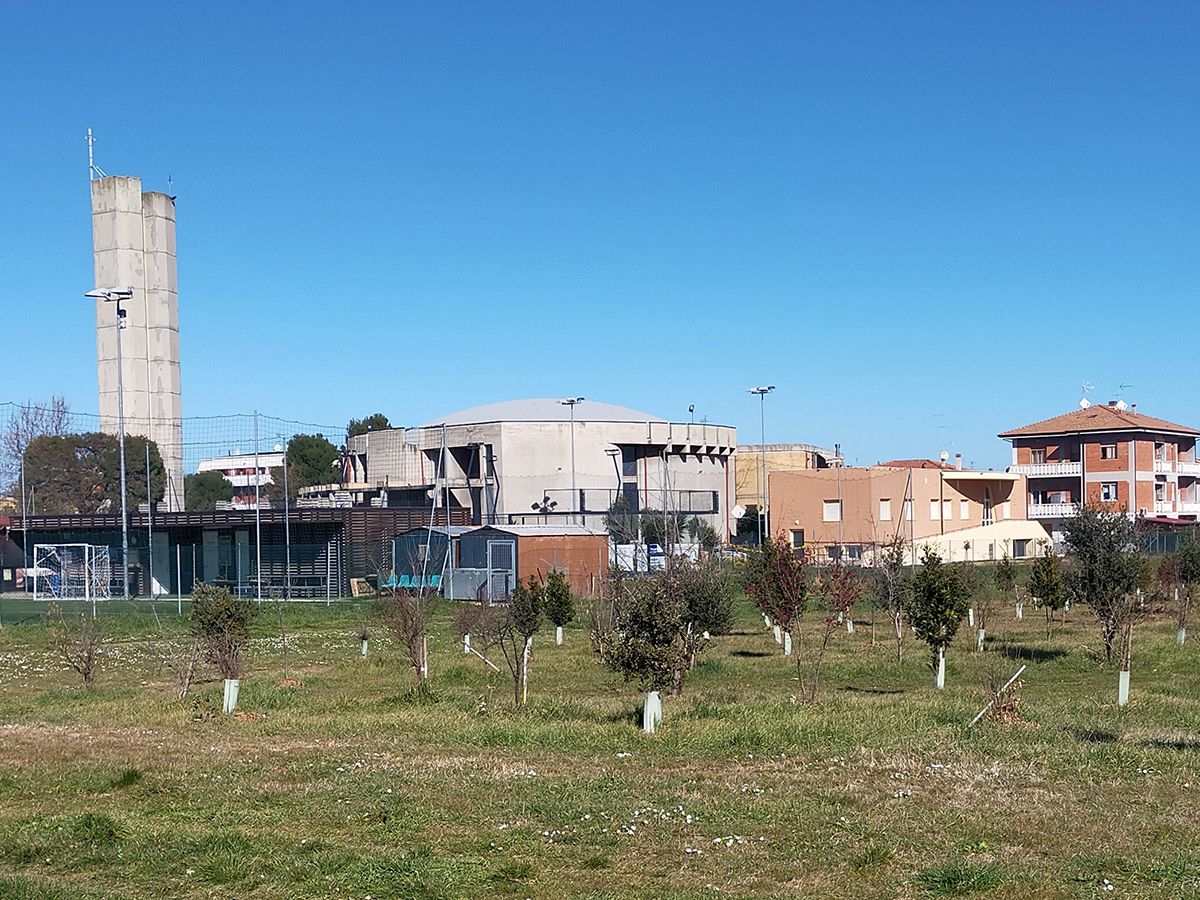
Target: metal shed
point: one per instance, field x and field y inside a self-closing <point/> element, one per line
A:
<point x="492" y="558"/>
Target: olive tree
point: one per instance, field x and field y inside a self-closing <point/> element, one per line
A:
<point x="776" y="579"/>
<point x="1107" y="569"/>
<point x="1047" y="585"/>
<point x="935" y="607"/>
<point x="559" y="608"/>
<point x="1187" y="569"/>
<point x="891" y="575"/>
<point x="221" y="623"/>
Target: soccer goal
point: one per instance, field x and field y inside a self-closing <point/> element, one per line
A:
<point x="71" y="572"/>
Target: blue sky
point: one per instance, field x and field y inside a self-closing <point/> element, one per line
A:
<point x="924" y="223"/>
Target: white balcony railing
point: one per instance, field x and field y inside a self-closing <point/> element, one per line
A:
<point x="1188" y="468"/>
<point x="1051" y="510"/>
<point x="1188" y="507"/>
<point x="1164" y="465"/>
<point x="1039" y="470"/>
<point x="1163" y="507"/>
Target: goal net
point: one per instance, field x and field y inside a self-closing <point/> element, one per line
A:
<point x="71" y="572"/>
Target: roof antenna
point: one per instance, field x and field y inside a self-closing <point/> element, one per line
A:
<point x="94" y="171"/>
<point x="1085" y="402"/>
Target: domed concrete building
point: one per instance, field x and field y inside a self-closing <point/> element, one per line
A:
<point x="549" y="461"/>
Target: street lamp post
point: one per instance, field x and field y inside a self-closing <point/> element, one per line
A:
<point x="117" y="295"/>
<point x="762" y="391"/>
<point x="571" y="402"/>
<point x="287" y="525"/>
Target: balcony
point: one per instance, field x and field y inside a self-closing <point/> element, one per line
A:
<point x="1051" y="510"/>
<point x="1188" y="507"/>
<point x="1187" y="468"/>
<point x="1164" y="466"/>
<point x="1044" y="470"/>
<point x="1164" y="508"/>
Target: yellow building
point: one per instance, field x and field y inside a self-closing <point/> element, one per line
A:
<point x="748" y="464"/>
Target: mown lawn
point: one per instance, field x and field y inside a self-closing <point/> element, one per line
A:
<point x="346" y="785"/>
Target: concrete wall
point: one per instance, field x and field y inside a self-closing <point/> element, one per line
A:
<point x="133" y="241"/>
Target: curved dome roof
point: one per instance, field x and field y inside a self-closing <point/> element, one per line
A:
<point x="544" y="409"/>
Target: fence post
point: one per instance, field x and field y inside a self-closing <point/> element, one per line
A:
<point x="179" y="580"/>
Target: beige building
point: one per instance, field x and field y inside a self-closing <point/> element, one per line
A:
<point x="748" y="466"/>
<point x="850" y="512"/>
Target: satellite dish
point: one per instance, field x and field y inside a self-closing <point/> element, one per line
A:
<point x="1084" y="403"/>
<point x="1122" y="405"/>
<point x="738" y="511"/>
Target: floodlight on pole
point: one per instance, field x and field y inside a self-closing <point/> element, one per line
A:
<point x="571" y="402"/>
<point x="118" y="295"/>
<point x="762" y="391"/>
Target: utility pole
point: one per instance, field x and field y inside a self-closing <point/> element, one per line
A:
<point x="571" y="402"/>
<point x="762" y="392"/>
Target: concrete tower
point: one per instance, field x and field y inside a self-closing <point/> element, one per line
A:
<point x="133" y="241"/>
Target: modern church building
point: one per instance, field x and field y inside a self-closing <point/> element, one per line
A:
<point x="547" y="461"/>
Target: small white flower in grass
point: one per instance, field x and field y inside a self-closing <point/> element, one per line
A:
<point x="624" y="754"/>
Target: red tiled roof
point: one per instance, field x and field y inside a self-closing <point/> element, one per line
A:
<point x="1097" y="418"/>
<point x="914" y="464"/>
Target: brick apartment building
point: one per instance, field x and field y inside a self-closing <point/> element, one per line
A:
<point x="1112" y="455"/>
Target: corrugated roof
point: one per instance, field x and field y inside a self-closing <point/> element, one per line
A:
<point x="544" y="530"/>
<point x="544" y="409"/>
<point x="1098" y="418"/>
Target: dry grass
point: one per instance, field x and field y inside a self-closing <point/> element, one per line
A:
<point x="346" y="784"/>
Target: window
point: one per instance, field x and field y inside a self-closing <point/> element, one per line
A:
<point x="1037" y="456"/>
<point x="907" y="510"/>
<point x="832" y="511"/>
<point x="797" y="538"/>
<point x="992" y="550"/>
<point x="1020" y="549"/>
<point x="885" y="510"/>
<point x="833" y="553"/>
<point x="1006" y="509"/>
<point x="947" y="510"/>
<point x="933" y="509"/>
<point x="854" y="552"/>
<point x="1160" y="451"/>
<point x="964" y="509"/>
<point x="1108" y="491"/>
<point x="1108" y="451"/>
<point x="987" y="506"/>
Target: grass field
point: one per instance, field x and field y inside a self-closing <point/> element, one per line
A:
<point x="346" y="785"/>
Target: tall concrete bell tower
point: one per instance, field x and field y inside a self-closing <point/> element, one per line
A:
<point x="133" y="243"/>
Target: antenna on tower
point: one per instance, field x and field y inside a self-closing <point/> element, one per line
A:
<point x="1122" y="388"/>
<point x="94" y="171"/>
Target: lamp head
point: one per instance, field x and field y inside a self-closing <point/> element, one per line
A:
<point x="113" y="294"/>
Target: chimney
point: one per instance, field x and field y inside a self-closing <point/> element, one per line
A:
<point x="958" y="461"/>
<point x="1133" y="408"/>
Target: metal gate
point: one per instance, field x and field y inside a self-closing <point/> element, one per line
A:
<point x="502" y="568"/>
